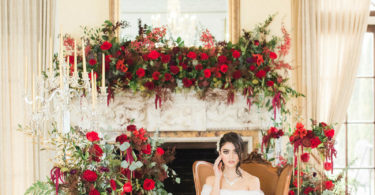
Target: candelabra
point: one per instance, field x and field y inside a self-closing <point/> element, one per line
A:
<point x="54" y="92"/>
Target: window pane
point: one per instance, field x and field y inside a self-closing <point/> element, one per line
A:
<point x="372" y="5"/>
<point x="361" y="145"/>
<point x="184" y="18"/>
<point x="340" y="147"/>
<point x="361" y="107"/>
<point x="365" y="179"/>
<point x="366" y="62"/>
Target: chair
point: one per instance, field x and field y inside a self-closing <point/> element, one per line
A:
<point x="201" y="170"/>
<point x="273" y="180"/>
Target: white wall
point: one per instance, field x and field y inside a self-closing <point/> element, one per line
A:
<point x="71" y="14"/>
<point x="255" y="11"/>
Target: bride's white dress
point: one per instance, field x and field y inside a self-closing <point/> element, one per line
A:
<point x="207" y="190"/>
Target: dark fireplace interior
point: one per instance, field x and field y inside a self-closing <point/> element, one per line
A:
<point x="186" y="154"/>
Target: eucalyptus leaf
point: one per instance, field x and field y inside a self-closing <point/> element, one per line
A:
<point x="139" y="164"/>
<point x="124" y="146"/>
<point x="133" y="166"/>
<point x="124" y="164"/>
<point x="178" y="180"/>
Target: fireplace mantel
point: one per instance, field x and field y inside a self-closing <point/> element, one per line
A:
<point x="184" y="112"/>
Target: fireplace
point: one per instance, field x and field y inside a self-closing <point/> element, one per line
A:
<point x="188" y="150"/>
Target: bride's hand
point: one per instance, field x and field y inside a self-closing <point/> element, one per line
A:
<point x="217" y="168"/>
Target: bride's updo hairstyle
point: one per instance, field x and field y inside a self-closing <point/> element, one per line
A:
<point x="238" y="143"/>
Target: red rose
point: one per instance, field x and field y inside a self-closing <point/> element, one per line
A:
<point x="97" y="150"/>
<point x="148" y="184"/>
<point x="89" y="176"/>
<point x="106" y="45"/>
<point x="260" y="74"/>
<point x="280" y="133"/>
<point x="113" y="184"/>
<point x="236" y="54"/>
<point x="153" y="55"/>
<point x="192" y="55"/>
<point x="218" y="75"/>
<point x="187" y="82"/>
<point x="306" y="142"/>
<point x="272" y="130"/>
<point x="224" y="68"/>
<point x="149" y="85"/>
<point x="167" y="77"/>
<point x="146" y="149"/>
<point x="308" y="190"/>
<point x="327" y="166"/>
<point x="329" y="133"/>
<point x="159" y="151"/>
<point x="92" y="136"/>
<point x="273" y="55"/>
<point x="204" y="56"/>
<point x="156" y="75"/>
<point x="237" y="74"/>
<point x="95" y="75"/>
<point x="256" y="42"/>
<point x="165" y="58"/>
<point x="198" y="67"/>
<point x="92" y="62"/>
<point x="140" y="72"/>
<point x="145" y="57"/>
<point x="315" y="142"/>
<point x="184" y="66"/>
<point x="94" y="192"/>
<point x="131" y="128"/>
<point x="323" y="124"/>
<point x="122" y="138"/>
<point x="329" y="185"/>
<point x="207" y="73"/>
<point x="174" y="69"/>
<point x="222" y="59"/>
<point x="127" y="187"/>
<point x="270" y="83"/>
<point x="252" y="67"/>
<point x="291" y="192"/>
<point x="305" y="157"/>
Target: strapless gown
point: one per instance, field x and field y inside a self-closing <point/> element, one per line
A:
<point x="207" y="190"/>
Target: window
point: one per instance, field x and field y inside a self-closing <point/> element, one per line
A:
<point x="355" y="141"/>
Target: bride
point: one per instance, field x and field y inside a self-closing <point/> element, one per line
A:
<point x="229" y="178"/>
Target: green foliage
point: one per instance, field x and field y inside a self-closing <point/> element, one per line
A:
<point x="40" y="188"/>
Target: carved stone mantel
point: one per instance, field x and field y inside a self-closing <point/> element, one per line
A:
<point x="184" y="115"/>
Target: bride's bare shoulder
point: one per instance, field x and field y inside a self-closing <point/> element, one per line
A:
<point x="252" y="180"/>
<point x="210" y="180"/>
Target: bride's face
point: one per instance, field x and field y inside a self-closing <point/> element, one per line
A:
<point x="229" y="155"/>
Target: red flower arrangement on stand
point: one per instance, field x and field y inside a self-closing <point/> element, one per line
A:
<point x="320" y="137"/>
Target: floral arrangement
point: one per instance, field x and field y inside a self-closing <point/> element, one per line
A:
<point x="320" y="137"/>
<point x="153" y="64"/>
<point x="310" y="183"/>
<point x="267" y="139"/>
<point x="87" y="164"/>
<point x="302" y="144"/>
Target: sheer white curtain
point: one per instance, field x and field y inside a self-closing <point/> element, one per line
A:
<point x="328" y="37"/>
<point x="23" y="24"/>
